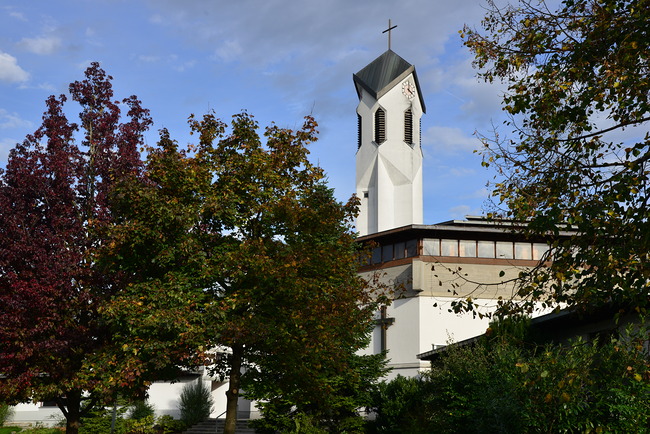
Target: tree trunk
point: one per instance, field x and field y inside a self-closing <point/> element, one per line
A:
<point x="232" y="395"/>
<point x="71" y="409"/>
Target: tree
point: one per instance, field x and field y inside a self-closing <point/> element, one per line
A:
<point x="257" y="229"/>
<point x="577" y="164"/>
<point x="295" y="308"/>
<point x="53" y="207"/>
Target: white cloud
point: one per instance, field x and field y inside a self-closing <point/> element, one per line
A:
<point x="148" y="58"/>
<point x="43" y="45"/>
<point x="459" y="211"/>
<point x="10" y="71"/>
<point x="12" y="120"/>
<point x="17" y="15"/>
<point x="481" y="193"/>
<point x="449" y="139"/>
<point x="13" y="13"/>
<point x="229" y="50"/>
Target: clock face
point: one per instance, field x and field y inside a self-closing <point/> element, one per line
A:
<point x="408" y="89"/>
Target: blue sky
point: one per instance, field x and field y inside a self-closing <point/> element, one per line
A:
<point x="277" y="59"/>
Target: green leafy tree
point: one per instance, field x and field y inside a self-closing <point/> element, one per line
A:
<point x="250" y="238"/>
<point x="577" y="92"/>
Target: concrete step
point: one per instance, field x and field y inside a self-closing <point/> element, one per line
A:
<point x="214" y="426"/>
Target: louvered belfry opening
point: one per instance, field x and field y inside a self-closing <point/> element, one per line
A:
<point x="380" y="126"/>
<point x="358" y="131"/>
<point x="408" y="126"/>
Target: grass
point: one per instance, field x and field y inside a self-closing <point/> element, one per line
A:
<point x="11" y="429"/>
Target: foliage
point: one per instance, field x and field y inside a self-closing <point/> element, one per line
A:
<point x="250" y="240"/>
<point x="141" y="409"/>
<point x="10" y="430"/>
<point x="599" y="386"/>
<point x="508" y="386"/>
<point x="352" y="391"/>
<point x="100" y="420"/>
<point x="53" y="207"/>
<point x="195" y="403"/>
<point x="401" y="405"/>
<point x="170" y="425"/>
<point x="577" y="92"/>
<point x="476" y="384"/>
<point x="6" y="412"/>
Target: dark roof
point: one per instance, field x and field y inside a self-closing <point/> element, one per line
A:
<point x="552" y="327"/>
<point x="383" y="73"/>
<point x="471" y="228"/>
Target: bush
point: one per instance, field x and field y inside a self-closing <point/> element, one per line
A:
<point x="99" y="421"/>
<point x="507" y="386"/>
<point x="195" y="403"/>
<point x="171" y="425"/>
<point x="141" y="409"/>
<point x="401" y="406"/>
<point x="5" y="413"/>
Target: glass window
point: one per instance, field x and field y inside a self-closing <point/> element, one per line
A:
<point x="399" y="250"/>
<point x="539" y="249"/>
<point x="467" y="248"/>
<point x="486" y="249"/>
<point x="411" y="248"/>
<point x="387" y="253"/>
<point x="448" y="247"/>
<point x="505" y="250"/>
<point x="523" y="251"/>
<point x="431" y="247"/>
<point x="376" y="255"/>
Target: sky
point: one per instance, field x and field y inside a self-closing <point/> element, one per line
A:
<point x="277" y="59"/>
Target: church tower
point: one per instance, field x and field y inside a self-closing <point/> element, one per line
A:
<point x="389" y="156"/>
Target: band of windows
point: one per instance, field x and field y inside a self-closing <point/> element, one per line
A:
<point x="460" y="248"/>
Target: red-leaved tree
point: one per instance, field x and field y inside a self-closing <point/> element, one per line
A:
<point x="54" y="206"/>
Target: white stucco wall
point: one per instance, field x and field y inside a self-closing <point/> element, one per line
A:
<point x="390" y="172"/>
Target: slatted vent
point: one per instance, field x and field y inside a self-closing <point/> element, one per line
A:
<point x="358" y="131"/>
<point x="380" y="126"/>
<point x="408" y="127"/>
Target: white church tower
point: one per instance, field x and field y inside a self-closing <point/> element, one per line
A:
<point x="389" y="156"/>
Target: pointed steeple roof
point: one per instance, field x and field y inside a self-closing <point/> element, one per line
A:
<point x="383" y="73"/>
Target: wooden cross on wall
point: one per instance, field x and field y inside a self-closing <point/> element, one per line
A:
<point x="389" y="30"/>
<point x="384" y="322"/>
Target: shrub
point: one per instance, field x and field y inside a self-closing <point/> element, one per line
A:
<point x="5" y="413"/>
<point x="171" y="425"/>
<point x="100" y="419"/>
<point x="401" y="405"/>
<point x="195" y="403"/>
<point x="141" y="409"/>
<point x="504" y="385"/>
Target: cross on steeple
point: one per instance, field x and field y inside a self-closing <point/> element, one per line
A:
<point x="384" y="322"/>
<point x="389" y="30"/>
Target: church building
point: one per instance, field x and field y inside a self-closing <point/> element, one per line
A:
<point x="429" y="266"/>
